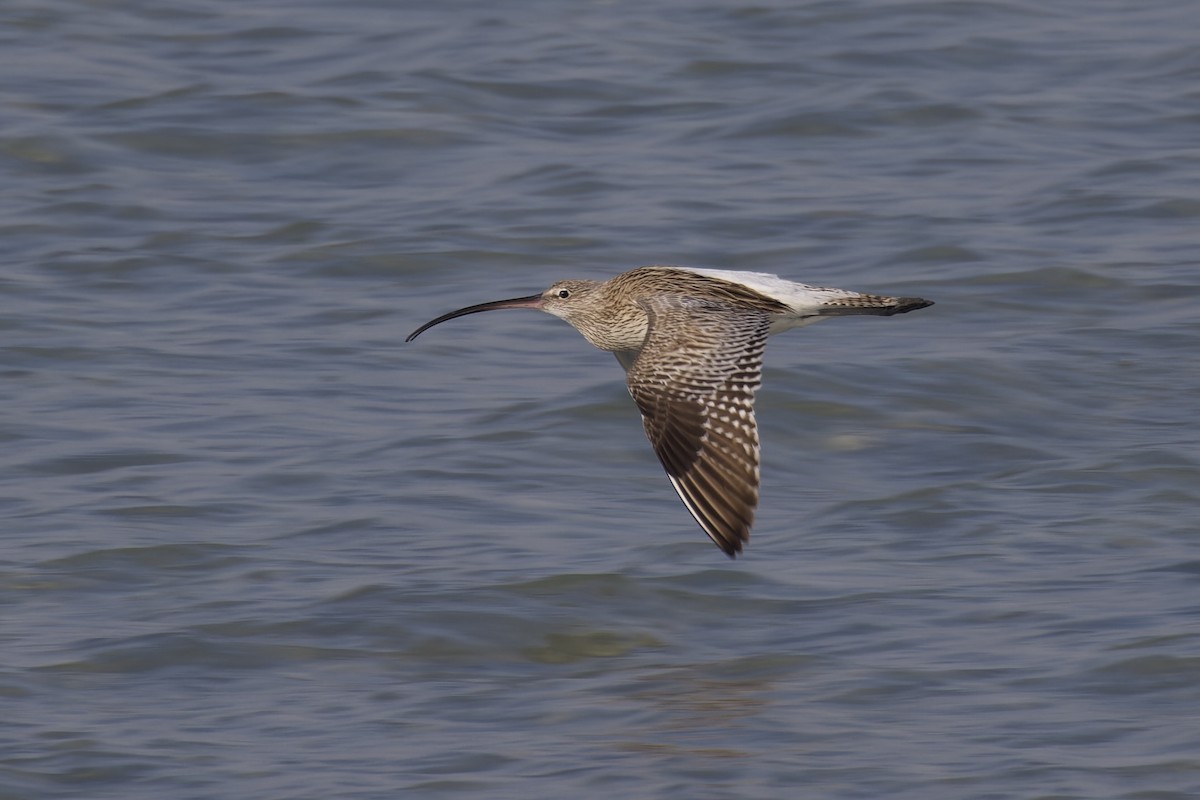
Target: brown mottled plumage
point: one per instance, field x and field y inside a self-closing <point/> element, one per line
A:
<point x="691" y="342"/>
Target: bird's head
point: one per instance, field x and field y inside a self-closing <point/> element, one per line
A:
<point x="571" y="300"/>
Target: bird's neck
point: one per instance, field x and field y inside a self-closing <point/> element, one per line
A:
<point x="614" y="321"/>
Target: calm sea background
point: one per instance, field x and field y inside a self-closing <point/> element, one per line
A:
<point x="255" y="546"/>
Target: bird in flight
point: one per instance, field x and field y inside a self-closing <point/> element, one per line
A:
<point x="691" y="342"/>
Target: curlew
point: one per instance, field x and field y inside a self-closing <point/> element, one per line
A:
<point x="691" y="342"/>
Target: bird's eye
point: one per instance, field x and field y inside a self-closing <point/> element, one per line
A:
<point x="564" y="293"/>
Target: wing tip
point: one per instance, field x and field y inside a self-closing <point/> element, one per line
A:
<point x="730" y="538"/>
<point x="729" y="547"/>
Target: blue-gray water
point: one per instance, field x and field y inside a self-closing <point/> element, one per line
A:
<point x="254" y="546"/>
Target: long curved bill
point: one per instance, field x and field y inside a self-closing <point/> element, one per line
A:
<point x="533" y="301"/>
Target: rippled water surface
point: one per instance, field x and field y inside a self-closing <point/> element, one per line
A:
<point x="256" y="546"/>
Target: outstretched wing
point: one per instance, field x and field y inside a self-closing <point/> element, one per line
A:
<point x="694" y="381"/>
